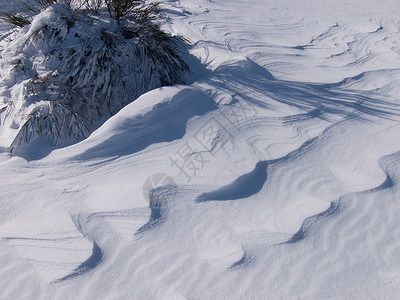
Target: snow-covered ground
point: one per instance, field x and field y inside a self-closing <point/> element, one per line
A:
<point x="282" y="164"/>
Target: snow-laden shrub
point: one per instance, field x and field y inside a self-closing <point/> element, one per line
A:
<point x="67" y="72"/>
<point x="137" y="10"/>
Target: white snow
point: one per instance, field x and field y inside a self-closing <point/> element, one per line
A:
<point x="289" y="152"/>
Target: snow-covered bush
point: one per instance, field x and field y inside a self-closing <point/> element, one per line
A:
<point x="69" y="70"/>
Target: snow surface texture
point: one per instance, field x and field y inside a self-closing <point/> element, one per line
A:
<point x="283" y="164"/>
<point x="67" y="72"/>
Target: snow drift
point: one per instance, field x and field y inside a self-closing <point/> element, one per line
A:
<point x="285" y="161"/>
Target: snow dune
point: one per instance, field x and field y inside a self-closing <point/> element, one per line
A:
<point x="284" y="159"/>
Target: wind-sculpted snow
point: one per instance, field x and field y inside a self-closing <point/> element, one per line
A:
<point x="282" y="160"/>
<point x="164" y="123"/>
